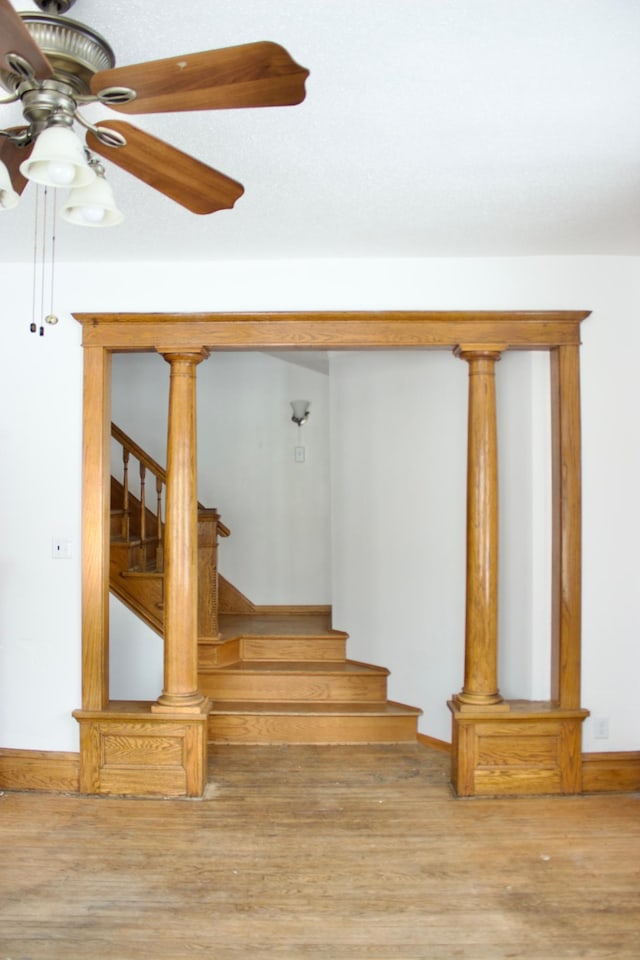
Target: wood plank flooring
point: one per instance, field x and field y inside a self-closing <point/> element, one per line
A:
<point x="320" y="852"/>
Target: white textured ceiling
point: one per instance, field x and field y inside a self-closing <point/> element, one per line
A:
<point x="430" y="128"/>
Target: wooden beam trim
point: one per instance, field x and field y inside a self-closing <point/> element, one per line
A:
<point x="332" y="330"/>
<point x="96" y="498"/>
<point x="566" y="602"/>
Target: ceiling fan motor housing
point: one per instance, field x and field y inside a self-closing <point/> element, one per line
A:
<point x="74" y="51"/>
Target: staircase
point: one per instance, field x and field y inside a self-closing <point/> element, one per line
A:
<point x="275" y="678"/>
<point x="273" y="675"/>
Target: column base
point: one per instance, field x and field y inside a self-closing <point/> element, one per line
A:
<point x="128" y="750"/>
<point x="171" y="704"/>
<point x="531" y="748"/>
<point x="467" y="703"/>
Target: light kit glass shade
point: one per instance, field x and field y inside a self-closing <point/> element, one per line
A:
<point x="8" y="196"/>
<point x="300" y="411"/>
<point x="58" y="160"/>
<point x="92" y="206"/>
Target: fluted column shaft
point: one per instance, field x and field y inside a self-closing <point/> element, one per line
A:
<point x="481" y="630"/>
<point x="181" y="540"/>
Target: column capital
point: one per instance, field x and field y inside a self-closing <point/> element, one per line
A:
<point x="177" y="353"/>
<point x="471" y="351"/>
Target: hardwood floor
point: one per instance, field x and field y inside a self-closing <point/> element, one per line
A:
<point x="320" y="852"/>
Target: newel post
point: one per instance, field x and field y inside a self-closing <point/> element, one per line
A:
<point x="480" y="689"/>
<point x="209" y="529"/>
<point x="181" y="540"/>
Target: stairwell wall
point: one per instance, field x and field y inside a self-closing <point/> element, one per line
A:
<point x="40" y="437"/>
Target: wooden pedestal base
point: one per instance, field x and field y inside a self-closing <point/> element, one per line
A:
<point x="533" y="749"/>
<point x="128" y="750"/>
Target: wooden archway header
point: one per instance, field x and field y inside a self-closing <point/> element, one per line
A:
<point x="332" y="330"/>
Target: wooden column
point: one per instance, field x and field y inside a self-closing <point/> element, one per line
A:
<point x="481" y="631"/>
<point x="181" y="541"/>
<point x="566" y="532"/>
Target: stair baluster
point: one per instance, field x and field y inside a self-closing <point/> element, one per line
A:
<point x="125" y="495"/>
<point x="143" y="519"/>
<point x="142" y="525"/>
<point x="159" y="525"/>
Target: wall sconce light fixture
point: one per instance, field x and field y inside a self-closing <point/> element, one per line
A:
<point x="300" y="411"/>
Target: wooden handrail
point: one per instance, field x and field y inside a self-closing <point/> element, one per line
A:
<point x="149" y="545"/>
<point x="159" y="472"/>
<point x="141" y="455"/>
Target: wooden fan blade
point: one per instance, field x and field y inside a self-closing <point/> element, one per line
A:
<point x="184" y="179"/>
<point x="15" y="38"/>
<point x="251" y="75"/>
<point x="12" y="156"/>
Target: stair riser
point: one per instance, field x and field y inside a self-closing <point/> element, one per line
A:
<point x="227" y="686"/>
<point x="218" y="654"/>
<point x="293" y="648"/>
<point x="320" y="730"/>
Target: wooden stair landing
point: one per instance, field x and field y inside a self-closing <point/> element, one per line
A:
<point x="284" y="678"/>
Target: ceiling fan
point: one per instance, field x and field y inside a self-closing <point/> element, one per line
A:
<point x="53" y="66"/>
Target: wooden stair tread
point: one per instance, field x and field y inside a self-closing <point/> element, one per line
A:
<point x="332" y="667"/>
<point x="305" y="708"/>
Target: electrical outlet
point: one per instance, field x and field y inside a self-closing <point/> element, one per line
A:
<point x="601" y="728"/>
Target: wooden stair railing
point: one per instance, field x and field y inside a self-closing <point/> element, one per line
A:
<point x="137" y="543"/>
<point x="141" y="526"/>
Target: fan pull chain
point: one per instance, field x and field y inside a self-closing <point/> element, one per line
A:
<point x="51" y="317"/>
<point x="33" y="327"/>
<point x="44" y="257"/>
<point x="45" y="238"/>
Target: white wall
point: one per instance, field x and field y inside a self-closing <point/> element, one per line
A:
<point x="40" y="439"/>
<point x="136" y="660"/>
<point x="399" y="455"/>
<point x="40" y="481"/>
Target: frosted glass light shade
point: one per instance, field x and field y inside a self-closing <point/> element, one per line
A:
<point x="58" y="160"/>
<point x="8" y="196"/>
<point x="92" y="206"/>
<point x="300" y="411"/>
